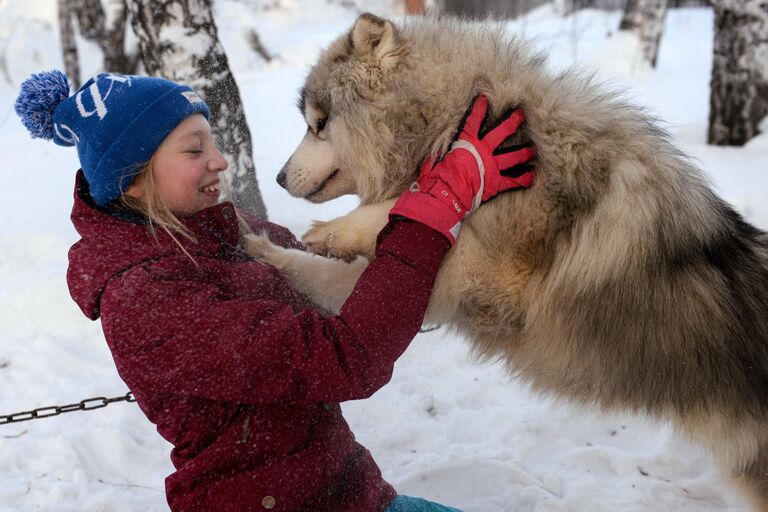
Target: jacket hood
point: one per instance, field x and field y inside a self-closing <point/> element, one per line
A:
<point x="112" y="241"/>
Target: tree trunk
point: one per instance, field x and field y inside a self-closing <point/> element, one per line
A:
<point x="68" y="44"/>
<point x="107" y="30"/>
<point x="739" y="87"/>
<point x="116" y="58"/>
<point x="481" y="9"/>
<point x="178" y="40"/>
<point x="646" y="19"/>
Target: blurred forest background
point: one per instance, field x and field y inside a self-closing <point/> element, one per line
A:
<point x="178" y="39"/>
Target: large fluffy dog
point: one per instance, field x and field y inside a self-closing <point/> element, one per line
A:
<point x="619" y="279"/>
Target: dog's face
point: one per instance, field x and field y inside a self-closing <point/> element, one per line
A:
<point x="347" y="103"/>
<point x="315" y="171"/>
<point x="383" y="98"/>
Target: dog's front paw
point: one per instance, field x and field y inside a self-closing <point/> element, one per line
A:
<point x="318" y="237"/>
<point x="349" y="236"/>
<point x="259" y="246"/>
<point x="321" y="239"/>
<point x="336" y="239"/>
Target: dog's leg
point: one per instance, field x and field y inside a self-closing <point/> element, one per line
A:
<point x="753" y="480"/>
<point x="325" y="282"/>
<point x="351" y="235"/>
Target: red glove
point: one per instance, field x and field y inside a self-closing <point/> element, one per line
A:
<point x="473" y="171"/>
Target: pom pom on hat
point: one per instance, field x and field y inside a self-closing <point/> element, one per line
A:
<point x="39" y="96"/>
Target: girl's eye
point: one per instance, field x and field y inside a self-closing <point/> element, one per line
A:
<point x="195" y="151"/>
<point x="321" y="124"/>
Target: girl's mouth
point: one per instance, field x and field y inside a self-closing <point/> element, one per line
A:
<point x="212" y="189"/>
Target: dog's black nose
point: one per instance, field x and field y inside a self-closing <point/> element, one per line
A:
<point x="281" y="179"/>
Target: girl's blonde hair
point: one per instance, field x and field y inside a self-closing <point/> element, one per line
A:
<point x="158" y="215"/>
<point x="151" y="207"/>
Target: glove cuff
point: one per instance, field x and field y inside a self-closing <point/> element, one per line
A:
<point x="427" y="209"/>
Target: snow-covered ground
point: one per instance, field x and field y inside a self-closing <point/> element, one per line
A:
<point x="445" y="428"/>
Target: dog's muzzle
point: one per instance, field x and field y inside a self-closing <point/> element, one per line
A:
<point x="282" y="179"/>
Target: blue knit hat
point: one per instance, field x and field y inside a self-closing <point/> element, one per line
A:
<point x="116" y="121"/>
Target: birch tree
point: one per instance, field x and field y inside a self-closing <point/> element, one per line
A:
<point x="739" y="86"/>
<point x="105" y="24"/>
<point x="101" y="23"/>
<point x="480" y="9"/>
<point x="646" y="19"/>
<point x="178" y="40"/>
<point x="68" y="44"/>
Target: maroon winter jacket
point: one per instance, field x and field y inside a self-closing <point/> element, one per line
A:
<point x="236" y="369"/>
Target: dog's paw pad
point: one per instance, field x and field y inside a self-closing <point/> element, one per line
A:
<point x="335" y="252"/>
<point x="319" y="237"/>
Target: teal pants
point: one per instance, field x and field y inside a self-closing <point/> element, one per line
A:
<point x="406" y="504"/>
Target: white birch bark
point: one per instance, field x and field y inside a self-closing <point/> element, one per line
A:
<point x="646" y="19"/>
<point x="68" y="44"/>
<point x="178" y="40"/>
<point x="106" y="28"/>
<point x="481" y="9"/>
<point x="739" y="86"/>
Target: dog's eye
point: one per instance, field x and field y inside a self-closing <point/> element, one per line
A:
<point x="321" y="124"/>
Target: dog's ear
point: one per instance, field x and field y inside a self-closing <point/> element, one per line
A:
<point x="374" y="36"/>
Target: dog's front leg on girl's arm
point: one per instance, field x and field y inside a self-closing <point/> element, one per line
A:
<point x="323" y="281"/>
<point x="349" y="236"/>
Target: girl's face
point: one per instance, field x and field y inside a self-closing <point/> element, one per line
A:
<point x="185" y="168"/>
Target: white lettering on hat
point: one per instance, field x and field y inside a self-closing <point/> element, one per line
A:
<point x="72" y="138"/>
<point x="192" y="97"/>
<point x="99" y="100"/>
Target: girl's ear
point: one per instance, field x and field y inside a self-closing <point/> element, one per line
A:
<point x="136" y="190"/>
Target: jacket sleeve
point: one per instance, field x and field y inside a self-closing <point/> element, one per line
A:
<point x="184" y="338"/>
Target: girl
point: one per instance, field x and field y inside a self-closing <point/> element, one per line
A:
<point x="237" y="371"/>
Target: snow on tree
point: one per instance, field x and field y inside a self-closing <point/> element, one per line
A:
<point x="646" y="19"/>
<point x="179" y="40"/>
<point x="739" y="87"/>
<point x="106" y="27"/>
<point x="480" y="9"/>
<point x="68" y="43"/>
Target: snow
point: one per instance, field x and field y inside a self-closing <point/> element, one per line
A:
<point x="446" y="428"/>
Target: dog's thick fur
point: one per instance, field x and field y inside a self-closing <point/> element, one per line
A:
<point x="619" y="279"/>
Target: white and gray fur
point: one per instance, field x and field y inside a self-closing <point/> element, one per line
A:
<point x="618" y="280"/>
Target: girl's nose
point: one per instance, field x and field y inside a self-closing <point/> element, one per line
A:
<point x="217" y="163"/>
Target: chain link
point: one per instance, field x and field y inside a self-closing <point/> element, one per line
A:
<point x="54" y="410"/>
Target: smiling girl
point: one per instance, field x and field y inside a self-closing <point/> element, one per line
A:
<point x="232" y="365"/>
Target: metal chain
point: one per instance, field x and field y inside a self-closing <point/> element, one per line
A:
<point x="54" y="410"/>
<point x="86" y="405"/>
